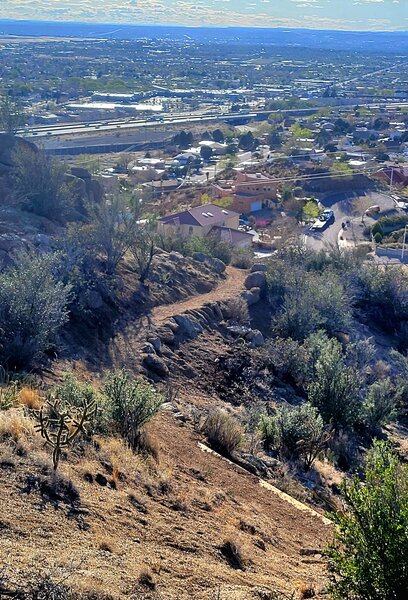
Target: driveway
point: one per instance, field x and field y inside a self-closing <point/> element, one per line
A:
<point x="346" y="206"/>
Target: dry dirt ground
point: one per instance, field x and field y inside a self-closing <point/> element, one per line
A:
<point x="168" y="518"/>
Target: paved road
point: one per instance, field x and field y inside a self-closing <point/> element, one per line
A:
<point x="342" y="205"/>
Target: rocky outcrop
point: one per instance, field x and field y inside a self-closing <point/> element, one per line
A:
<point x="9" y="145"/>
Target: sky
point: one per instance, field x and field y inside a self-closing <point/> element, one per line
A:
<point x="317" y="14"/>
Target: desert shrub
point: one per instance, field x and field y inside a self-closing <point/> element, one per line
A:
<point x="30" y="398"/>
<point x="307" y="300"/>
<point x="382" y="294"/>
<point x="32" y="309"/>
<point x="8" y="395"/>
<point x="380" y="404"/>
<point x="43" y="585"/>
<point x="232" y="552"/>
<point x="242" y="258"/>
<point x="41" y="185"/>
<point x="295" y="431"/>
<point x="369" y="556"/>
<point x="131" y="404"/>
<point x="334" y="388"/>
<point x="73" y="393"/>
<point x="209" y="245"/>
<point x="15" y="425"/>
<point x="343" y="450"/>
<point x="223" y="432"/>
<point x="237" y="309"/>
<point x="287" y="358"/>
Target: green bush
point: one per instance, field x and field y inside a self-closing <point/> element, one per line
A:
<point x="223" y="432"/>
<point x="131" y="403"/>
<point x="41" y="185"/>
<point x="378" y="237"/>
<point x="380" y="404"/>
<point x="210" y="245"/>
<point x="335" y="387"/>
<point x="369" y="556"/>
<point x="33" y="307"/>
<point x="242" y="258"/>
<point x="295" y="431"/>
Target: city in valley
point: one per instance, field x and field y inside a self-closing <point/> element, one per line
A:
<point x="204" y="300"/>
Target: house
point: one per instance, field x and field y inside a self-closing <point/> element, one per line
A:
<point x="205" y="220"/>
<point x="249" y="192"/>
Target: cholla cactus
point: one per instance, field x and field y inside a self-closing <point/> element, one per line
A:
<point x="59" y="424"/>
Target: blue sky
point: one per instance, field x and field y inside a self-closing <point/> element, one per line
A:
<point x="318" y="14"/>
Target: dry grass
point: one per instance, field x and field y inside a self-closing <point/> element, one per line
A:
<point x="30" y="398"/>
<point x="223" y="432"/>
<point x="16" y="425"/>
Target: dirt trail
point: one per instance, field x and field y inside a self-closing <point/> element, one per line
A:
<point x="232" y="286"/>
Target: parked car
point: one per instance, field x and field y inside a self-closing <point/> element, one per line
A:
<point x="372" y="210"/>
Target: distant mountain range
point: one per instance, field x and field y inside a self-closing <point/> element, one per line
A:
<point x="394" y="42"/>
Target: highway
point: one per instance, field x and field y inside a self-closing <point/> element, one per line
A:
<point x="112" y="125"/>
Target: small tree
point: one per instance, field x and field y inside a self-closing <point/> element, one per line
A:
<point x="369" y="555"/>
<point x="113" y="229"/>
<point x="144" y="249"/>
<point x="131" y="404"/>
<point x="33" y="307"/>
<point x="12" y="118"/>
<point x="40" y="184"/>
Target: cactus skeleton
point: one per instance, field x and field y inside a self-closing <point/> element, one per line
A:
<point x="60" y="424"/>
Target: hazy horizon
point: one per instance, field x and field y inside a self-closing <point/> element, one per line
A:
<point x="335" y="15"/>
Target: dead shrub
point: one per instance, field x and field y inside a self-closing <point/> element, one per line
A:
<point x="306" y="590"/>
<point x="105" y="546"/>
<point x="147" y="445"/>
<point x="30" y="398"/>
<point x="147" y="579"/>
<point x="232" y="552"/>
<point x="224" y="433"/>
<point x="237" y="310"/>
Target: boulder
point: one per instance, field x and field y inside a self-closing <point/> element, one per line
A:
<point x="252" y="296"/>
<point x="175" y="327"/>
<point x="81" y="173"/>
<point x="257" y="279"/>
<point x="188" y="325"/>
<point x="255" y="337"/>
<point x="217" y="265"/>
<point x="154" y="363"/>
<point x="155" y="342"/>
<point x="10" y="144"/>
<point x="176" y="257"/>
<point x="200" y="257"/>
<point x="259" y="267"/>
<point x="148" y="349"/>
<point x="11" y="242"/>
